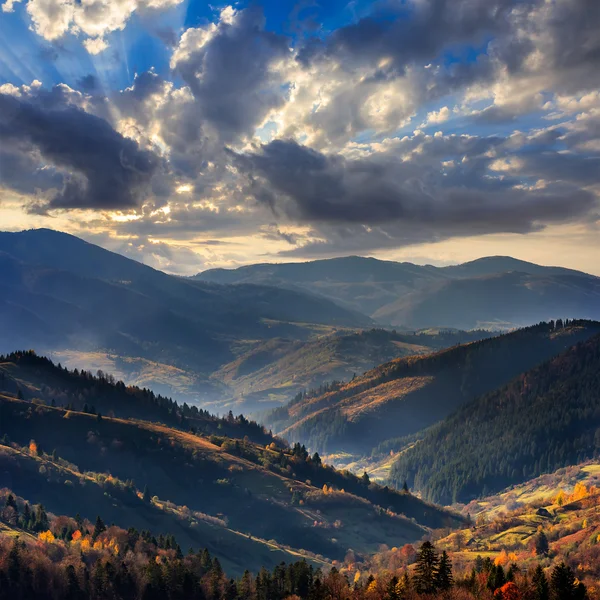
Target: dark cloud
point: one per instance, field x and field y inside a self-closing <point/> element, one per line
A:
<point x="100" y="168"/>
<point x="393" y="201"/>
<point x="231" y="74"/>
<point x="409" y="31"/>
<point x="89" y="83"/>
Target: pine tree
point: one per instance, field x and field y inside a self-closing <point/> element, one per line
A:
<point x="405" y="487"/>
<point x="147" y="498"/>
<point x="540" y="584"/>
<point x="426" y="569"/>
<point x="541" y="544"/>
<point x="99" y="528"/>
<point x="443" y="576"/>
<point x="563" y="585"/>
<point x="73" y="588"/>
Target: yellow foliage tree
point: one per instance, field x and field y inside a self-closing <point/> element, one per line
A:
<point x="579" y="491"/>
<point x="46" y="536"/>
<point x="560" y="499"/>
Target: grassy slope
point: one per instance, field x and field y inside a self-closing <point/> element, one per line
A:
<point x="505" y="525"/>
<point x="274" y="371"/>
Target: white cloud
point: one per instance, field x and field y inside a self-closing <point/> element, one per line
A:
<point x="440" y="116"/>
<point x="92" y="19"/>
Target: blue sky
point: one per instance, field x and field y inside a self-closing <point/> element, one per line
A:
<point x="423" y="130"/>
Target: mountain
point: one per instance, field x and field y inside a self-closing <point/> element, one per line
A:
<point x="546" y="418"/>
<point x="272" y="372"/>
<point x="365" y="284"/>
<point x="406" y="395"/>
<point x="85" y="444"/>
<point x="491" y="300"/>
<point x="490" y="292"/>
<point x="57" y="291"/>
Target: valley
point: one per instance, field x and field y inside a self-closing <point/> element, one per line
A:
<point x="268" y="419"/>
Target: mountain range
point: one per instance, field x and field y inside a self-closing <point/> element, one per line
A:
<point x="256" y="336"/>
<point x="489" y="292"/>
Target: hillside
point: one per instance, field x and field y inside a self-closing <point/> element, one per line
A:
<point x="545" y="520"/>
<point x="406" y="395"/>
<point x="57" y="291"/>
<point x="545" y="548"/>
<point x="488" y="292"/>
<point x="205" y="476"/>
<point x="271" y="373"/>
<point x="546" y="418"/>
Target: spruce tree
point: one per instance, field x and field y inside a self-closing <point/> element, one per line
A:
<point x="540" y="584"/>
<point x="563" y="584"/>
<point x="443" y="576"/>
<point x="541" y="544"/>
<point x="426" y="569"/>
<point x="99" y="528"/>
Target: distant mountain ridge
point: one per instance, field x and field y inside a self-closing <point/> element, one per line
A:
<point x="492" y="290"/>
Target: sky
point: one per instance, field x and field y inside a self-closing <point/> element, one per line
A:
<point x="191" y="135"/>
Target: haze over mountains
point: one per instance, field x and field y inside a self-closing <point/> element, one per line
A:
<point x="256" y="336"/>
<point x="493" y="291"/>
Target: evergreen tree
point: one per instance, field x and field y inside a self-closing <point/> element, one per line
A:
<point x="540" y="584"/>
<point x="541" y="544"/>
<point x="11" y="502"/>
<point x="426" y="569"/>
<point x="563" y="585"/>
<point x="73" y="588"/>
<point x="443" y="576"/>
<point x="99" y="528"/>
<point x="147" y="498"/>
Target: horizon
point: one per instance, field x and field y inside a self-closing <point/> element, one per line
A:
<point x="440" y="264"/>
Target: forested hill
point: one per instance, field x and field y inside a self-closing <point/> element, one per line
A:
<point x="38" y="379"/>
<point x="409" y="394"/>
<point x="545" y="419"/>
<point x="84" y="444"/>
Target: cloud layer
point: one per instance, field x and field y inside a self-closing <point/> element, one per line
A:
<point x="409" y="123"/>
